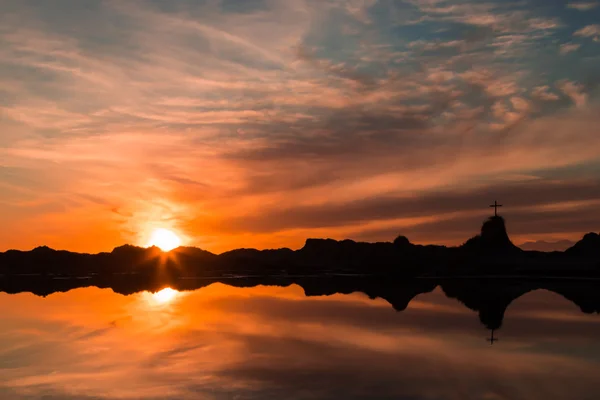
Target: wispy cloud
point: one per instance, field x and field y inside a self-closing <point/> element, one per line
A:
<point x="583" y="6"/>
<point x="574" y="91"/>
<point x="588" y="31"/>
<point x="543" y="93"/>
<point x="567" y="48"/>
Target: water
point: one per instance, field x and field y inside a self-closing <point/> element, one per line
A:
<point x="268" y="342"/>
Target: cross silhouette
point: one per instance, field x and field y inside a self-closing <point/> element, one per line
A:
<point x="492" y="339"/>
<point x="496" y="205"/>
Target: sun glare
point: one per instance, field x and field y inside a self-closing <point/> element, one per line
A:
<point x="164" y="239"/>
<point x="165" y="296"/>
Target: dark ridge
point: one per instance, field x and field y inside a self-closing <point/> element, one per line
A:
<point x="491" y="253"/>
<point x="588" y="247"/>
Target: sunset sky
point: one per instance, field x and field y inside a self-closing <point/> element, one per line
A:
<point x="259" y="123"/>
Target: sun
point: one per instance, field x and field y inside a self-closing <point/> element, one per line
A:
<point x="164" y="239"/>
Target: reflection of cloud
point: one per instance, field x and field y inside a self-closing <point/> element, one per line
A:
<point x="269" y="342"/>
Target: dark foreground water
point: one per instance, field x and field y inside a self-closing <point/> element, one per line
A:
<point x="221" y="342"/>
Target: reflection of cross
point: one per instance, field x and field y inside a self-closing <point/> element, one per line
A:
<point x="492" y="339"/>
<point x="496" y="205"/>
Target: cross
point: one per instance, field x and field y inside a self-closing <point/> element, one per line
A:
<point x="496" y="205"/>
<point x="492" y="339"/>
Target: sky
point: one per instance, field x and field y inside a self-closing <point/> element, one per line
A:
<point x="259" y="123"/>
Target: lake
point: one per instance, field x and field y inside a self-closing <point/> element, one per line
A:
<point x="271" y="342"/>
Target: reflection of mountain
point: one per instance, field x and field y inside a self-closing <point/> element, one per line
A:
<point x="398" y="294"/>
<point x="489" y="297"/>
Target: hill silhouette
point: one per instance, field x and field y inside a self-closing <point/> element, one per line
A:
<point x="492" y="239"/>
<point x="491" y="252"/>
<point x="588" y="247"/>
<point x="542" y="245"/>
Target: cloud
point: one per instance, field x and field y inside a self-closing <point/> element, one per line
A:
<point x="588" y="31"/>
<point x="585" y="6"/>
<point x="437" y="45"/>
<point x="432" y="205"/>
<point x="519" y="104"/>
<point x="543" y="93"/>
<point x="575" y="91"/>
<point x="567" y="48"/>
<point x="490" y="14"/>
<point x="359" y="9"/>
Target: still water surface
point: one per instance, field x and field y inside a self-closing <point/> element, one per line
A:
<point x="221" y="342"/>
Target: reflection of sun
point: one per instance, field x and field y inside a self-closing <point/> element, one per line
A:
<point x="165" y="296"/>
<point x="164" y="239"/>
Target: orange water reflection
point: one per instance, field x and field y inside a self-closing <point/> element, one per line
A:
<point x="162" y="297"/>
<point x="271" y="342"/>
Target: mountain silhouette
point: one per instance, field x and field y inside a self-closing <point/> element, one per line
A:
<point x="588" y="247"/>
<point x="491" y="252"/>
<point x="542" y="245"/>
<point x="493" y="238"/>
